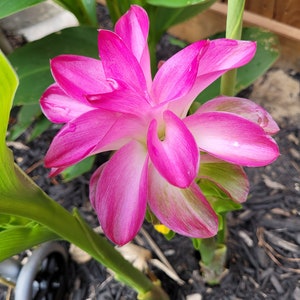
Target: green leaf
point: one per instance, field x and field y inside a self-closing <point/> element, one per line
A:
<point x="266" y="54"/>
<point x="176" y="3"/>
<point x="84" y="10"/>
<point x="31" y="62"/>
<point x="39" y="127"/>
<point x="9" y="7"/>
<point x="9" y="83"/>
<point x="26" y="115"/>
<point x="175" y="14"/>
<point x="18" y="234"/>
<point x="78" y="169"/>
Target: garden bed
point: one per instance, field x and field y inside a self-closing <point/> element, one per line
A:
<point x="263" y="238"/>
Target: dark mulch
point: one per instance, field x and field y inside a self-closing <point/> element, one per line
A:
<point x="263" y="238"/>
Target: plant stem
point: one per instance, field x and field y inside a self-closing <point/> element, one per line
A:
<point x="234" y="26"/>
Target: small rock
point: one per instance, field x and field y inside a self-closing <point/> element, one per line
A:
<point x="194" y="297"/>
<point x="262" y="257"/>
<point x="295" y="153"/>
<point x="296" y="293"/>
<point x="272" y="184"/>
<point x="276" y="284"/>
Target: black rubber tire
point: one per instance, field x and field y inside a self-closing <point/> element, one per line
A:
<point x="44" y="276"/>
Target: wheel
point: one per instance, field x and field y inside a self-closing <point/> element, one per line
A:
<point x="44" y="276"/>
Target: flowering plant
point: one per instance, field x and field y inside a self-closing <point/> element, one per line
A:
<point x="167" y="163"/>
<point x="113" y="104"/>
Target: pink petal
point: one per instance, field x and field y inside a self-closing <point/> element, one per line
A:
<point x="59" y="107"/>
<point x="122" y="99"/>
<point x="93" y="185"/>
<point x="79" y="76"/>
<point x="56" y="171"/>
<point x="125" y="128"/>
<point x="133" y="28"/>
<point x="177" y="75"/>
<point x="119" y="63"/>
<point x="220" y="56"/>
<point x="244" y="108"/>
<point x="78" y="138"/>
<point x="176" y="156"/>
<point x="121" y="195"/>
<point x="185" y="211"/>
<point x="230" y="178"/>
<point x="217" y="57"/>
<point x="232" y="138"/>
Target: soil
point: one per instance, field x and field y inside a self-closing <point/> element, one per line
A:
<point x="263" y="260"/>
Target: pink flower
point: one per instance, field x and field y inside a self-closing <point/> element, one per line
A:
<point x="113" y="104"/>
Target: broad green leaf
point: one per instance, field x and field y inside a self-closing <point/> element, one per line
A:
<point x="18" y="234"/>
<point x="7" y="221"/>
<point x="163" y="17"/>
<point x="9" y="83"/>
<point x="176" y="3"/>
<point x="78" y="169"/>
<point x="39" y="127"/>
<point x="266" y="54"/>
<point x="9" y="7"/>
<point x="26" y="115"/>
<point x="31" y="62"/>
<point x="84" y="10"/>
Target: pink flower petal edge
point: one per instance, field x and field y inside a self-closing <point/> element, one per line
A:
<point x="133" y="28"/>
<point x="242" y="107"/>
<point x="232" y="138"/>
<point x="61" y="108"/>
<point x="185" y="211"/>
<point x="120" y="195"/>
<point x="176" y="156"/>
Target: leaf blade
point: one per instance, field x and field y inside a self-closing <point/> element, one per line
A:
<point x="9" y="7"/>
<point x="31" y="62"/>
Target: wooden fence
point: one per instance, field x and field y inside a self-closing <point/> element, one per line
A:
<point x="279" y="16"/>
<point x="283" y="11"/>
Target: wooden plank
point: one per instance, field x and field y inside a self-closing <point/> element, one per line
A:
<point x="264" y="8"/>
<point x="213" y="20"/>
<point x="288" y="12"/>
<point x="259" y="21"/>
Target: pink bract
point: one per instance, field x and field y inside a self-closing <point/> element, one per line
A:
<point x="113" y="104"/>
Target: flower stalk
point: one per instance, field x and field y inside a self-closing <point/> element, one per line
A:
<point x="234" y="25"/>
<point x="213" y="253"/>
<point x="214" y="250"/>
